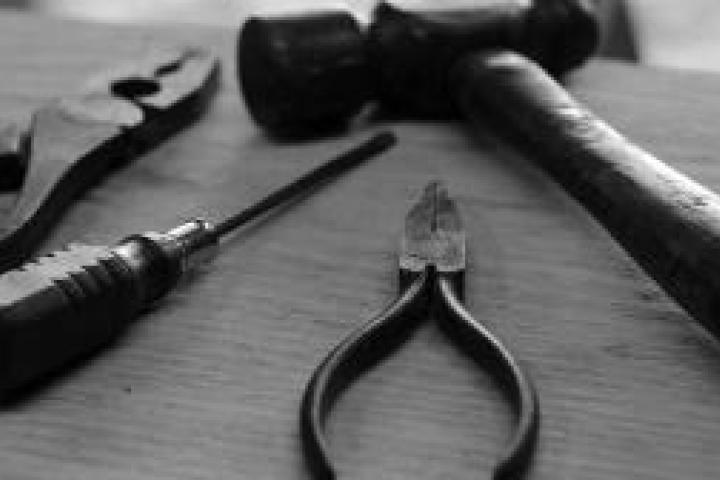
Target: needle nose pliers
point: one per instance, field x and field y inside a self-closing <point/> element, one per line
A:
<point x="432" y="266"/>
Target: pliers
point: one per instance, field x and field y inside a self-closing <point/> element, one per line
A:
<point x="71" y="143"/>
<point x="431" y="267"/>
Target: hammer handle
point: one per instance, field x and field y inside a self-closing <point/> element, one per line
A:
<point x="667" y="222"/>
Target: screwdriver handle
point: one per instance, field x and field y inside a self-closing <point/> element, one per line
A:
<point x="60" y="307"/>
<point x="65" y="305"/>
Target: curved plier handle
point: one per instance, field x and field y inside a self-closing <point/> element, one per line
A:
<point x="433" y="289"/>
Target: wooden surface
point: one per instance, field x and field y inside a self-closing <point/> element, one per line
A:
<point x="207" y="386"/>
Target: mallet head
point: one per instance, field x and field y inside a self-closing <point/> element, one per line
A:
<point x="306" y="73"/>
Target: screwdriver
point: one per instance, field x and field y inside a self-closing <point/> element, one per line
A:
<point x="67" y="304"/>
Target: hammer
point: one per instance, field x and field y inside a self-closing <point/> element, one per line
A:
<point x="494" y="65"/>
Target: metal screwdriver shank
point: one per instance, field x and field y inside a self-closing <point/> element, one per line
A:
<point x="332" y="168"/>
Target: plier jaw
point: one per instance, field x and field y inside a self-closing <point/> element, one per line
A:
<point x="433" y="240"/>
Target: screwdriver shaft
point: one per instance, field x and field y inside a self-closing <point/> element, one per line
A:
<point x="332" y="168"/>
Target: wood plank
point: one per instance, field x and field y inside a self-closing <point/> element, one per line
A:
<point x="208" y="384"/>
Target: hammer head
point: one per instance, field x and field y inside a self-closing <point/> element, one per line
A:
<point x="303" y="73"/>
<point x="306" y="73"/>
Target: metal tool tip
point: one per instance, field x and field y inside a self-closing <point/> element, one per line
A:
<point x="433" y="232"/>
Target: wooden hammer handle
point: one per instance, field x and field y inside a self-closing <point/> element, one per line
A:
<point x="667" y="222"/>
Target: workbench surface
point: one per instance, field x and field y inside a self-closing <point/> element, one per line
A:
<point x="207" y="386"/>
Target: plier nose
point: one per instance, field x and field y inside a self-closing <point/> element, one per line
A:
<point x="433" y="238"/>
<point x="431" y="267"/>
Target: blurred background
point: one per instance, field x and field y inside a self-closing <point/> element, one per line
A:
<point x="683" y="34"/>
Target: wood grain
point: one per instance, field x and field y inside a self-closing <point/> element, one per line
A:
<point x="207" y="386"/>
